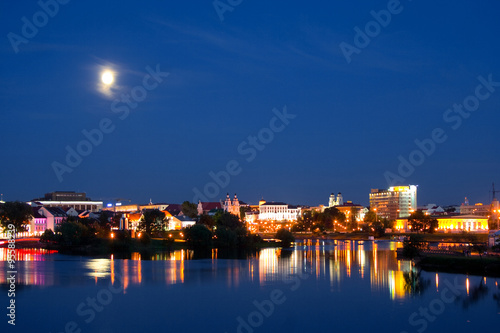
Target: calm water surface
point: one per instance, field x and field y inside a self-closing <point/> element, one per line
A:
<point x="344" y="286"/>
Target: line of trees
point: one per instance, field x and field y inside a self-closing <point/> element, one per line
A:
<point x="223" y="230"/>
<point x="312" y="220"/>
<point x="421" y="222"/>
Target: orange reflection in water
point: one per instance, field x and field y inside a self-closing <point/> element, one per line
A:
<point x="335" y="261"/>
<point x="25" y="254"/>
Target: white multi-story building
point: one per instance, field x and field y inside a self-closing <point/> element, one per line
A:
<point x="278" y="211"/>
<point x="395" y="202"/>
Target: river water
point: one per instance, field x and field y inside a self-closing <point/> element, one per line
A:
<point x="333" y="286"/>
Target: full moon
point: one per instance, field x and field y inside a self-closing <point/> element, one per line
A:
<point x="107" y="78"/>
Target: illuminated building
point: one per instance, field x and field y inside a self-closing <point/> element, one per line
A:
<point x="335" y="201"/>
<point x="54" y="217"/>
<point x="349" y="209"/>
<point x="150" y="205"/>
<point x="119" y="208"/>
<point x="454" y="223"/>
<point x="401" y="225"/>
<point x="395" y="202"/>
<point x="130" y="221"/>
<point x="123" y="208"/>
<point x="477" y="209"/>
<point x="208" y="207"/>
<point x="233" y="206"/>
<point x="179" y="222"/>
<point x="78" y="201"/>
<point x="251" y="217"/>
<point x="38" y="222"/>
<point x="462" y="223"/>
<point x="278" y="211"/>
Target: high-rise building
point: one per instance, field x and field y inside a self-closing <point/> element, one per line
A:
<point x="395" y="202"/>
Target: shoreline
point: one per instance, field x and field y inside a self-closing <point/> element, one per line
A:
<point x="480" y="266"/>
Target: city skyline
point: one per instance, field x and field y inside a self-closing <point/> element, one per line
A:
<point x="325" y="202"/>
<point x="292" y="102"/>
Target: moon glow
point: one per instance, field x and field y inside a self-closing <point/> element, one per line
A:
<point x="107" y="78"/>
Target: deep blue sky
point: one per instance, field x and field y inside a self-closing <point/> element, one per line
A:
<point x="352" y="121"/>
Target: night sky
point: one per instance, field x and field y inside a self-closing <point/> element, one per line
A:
<point x="286" y="101"/>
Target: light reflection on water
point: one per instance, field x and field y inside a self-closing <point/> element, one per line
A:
<point x="348" y="285"/>
<point x="326" y="260"/>
<point x="335" y="261"/>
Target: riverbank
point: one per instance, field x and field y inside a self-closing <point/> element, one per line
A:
<point x="156" y="245"/>
<point x="436" y="237"/>
<point x="483" y="266"/>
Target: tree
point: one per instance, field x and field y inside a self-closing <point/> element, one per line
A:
<point x="285" y="236"/>
<point x="243" y="210"/>
<point x="115" y="220"/>
<point x="198" y="236"/>
<point x="17" y="213"/>
<point x="415" y="284"/>
<point x="412" y="246"/>
<point x="353" y="223"/>
<point x="326" y="219"/>
<point x="104" y="219"/>
<point x="227" y="220"/>
<point x="151" y="220"/>
<point x="370" y="217"/>
<point x="421" y="222"/>
<point x="388" y="224"/>
<point x="189" y="209"/>
<point x="207" y="220"/>
<point x="73" y="234"/>
<point x="47" y="236"/>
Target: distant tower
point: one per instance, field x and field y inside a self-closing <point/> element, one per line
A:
<point x="340" y="200"/>
<point x="493" y="192"/>
<point x="331" y="201"/>
<point x="227" y="203"/>
<point x="236" y="206"/>
<point x="262" y="201"/>
<point x="495" y="206"/>
<point x="232" y="207"/>
<point x="466" y="201"/>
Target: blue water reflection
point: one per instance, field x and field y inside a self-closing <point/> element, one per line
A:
<point x="333" y="285"/>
